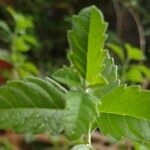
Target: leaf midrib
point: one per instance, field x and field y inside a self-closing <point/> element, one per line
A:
<point x="124" y="115"/>
<point x="38" y="108"/>
<point x="88" y="46"/>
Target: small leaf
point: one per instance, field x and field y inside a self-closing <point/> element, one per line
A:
<point x="67" y="76"/>
<point x="86" y="40"/>
<point x="117" y="50"/>
<point x="125" y="113"/>
<point x="80" y="113"/>
<point x="137" y="73"/>
<point x="5" y="32"/>
<point x="143" y="69"/>
<point x="30" y="39"/>
<point x="27" y="69"/>
<point x="110" y="73"/>
<point x="19" y="44"/>
<point x="22" y="22"/>
<point x="4" y="26"/>
<point x="134" y="53"/>
<point x="134" y="75"/>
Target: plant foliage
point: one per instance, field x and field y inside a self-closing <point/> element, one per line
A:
<point x="31" y="105"/>
<point x="87" y="54"/>
<point x="127" y="115"/>
<point x="92" y="95"/>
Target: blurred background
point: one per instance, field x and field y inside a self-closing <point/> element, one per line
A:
<point x="33" y="42"/>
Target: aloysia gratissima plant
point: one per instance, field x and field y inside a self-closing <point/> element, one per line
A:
<point x="94" y="97"/>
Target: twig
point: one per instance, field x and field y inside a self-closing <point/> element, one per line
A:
<point x="118" y="16"/>
<point x="138" y="23"/>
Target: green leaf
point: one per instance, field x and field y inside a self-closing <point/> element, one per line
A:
<point x="67" y="76"/>
<point x="86" y="40"/>
<point x="110" y="73"/>
<point x="141" y="146"/>
<point x="143" y="69"/>
<point x="31" y="105"/>
<point x="80" y="113"/>
<point x="19" y="44"/>
<point x="82" y="147"/>
<point x="5" y="32"/>
<point x="117" y="50"/>
<point x="125" y="113"/>
<point x="22" y="22"/>
<point x="5" y="27"/>
<point x="27" y="69"/>
<point x="134" y="53"/>
<point x="23" y="43"/>
<point x="137" y="73"/>
<point x="134" y="75"/>
<point x="30" y="39"/>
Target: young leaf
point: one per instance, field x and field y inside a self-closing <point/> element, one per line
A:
<point x="21" y="21"/>
<point x="125" y="113"/>
<point x="4" y="26"/>
<point x="27" y="69"/>
<point x="134" y="53"/>
<point x="143" y="69"/>
<point x="80" y="113"/>
<point x="31" y="105"/>
<point x="117" y="50"/>
<point x="67" y="76"/>
<point x="134" y="75"/>
<point x="86" y="40"/>
<point x="110" y="73"/>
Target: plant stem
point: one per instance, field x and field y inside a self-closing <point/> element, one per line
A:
<point x="124" y="68"/>
<point x="138" y="22"/>
<point x="89" y="134"/>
